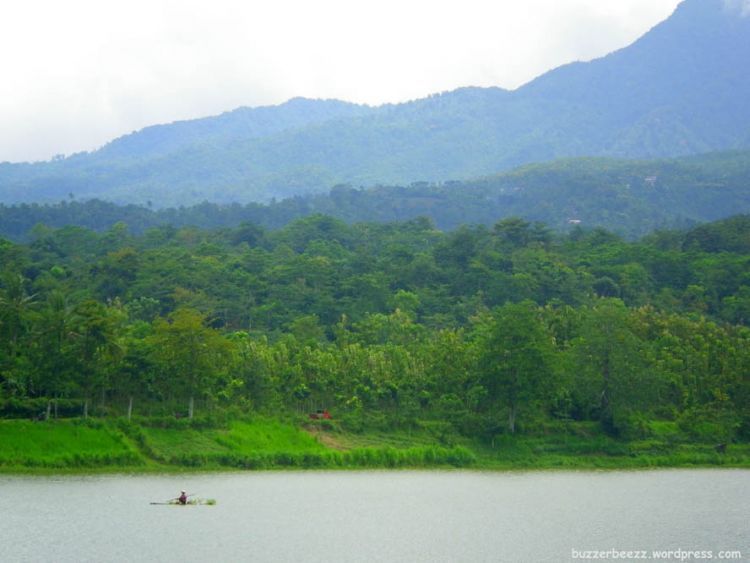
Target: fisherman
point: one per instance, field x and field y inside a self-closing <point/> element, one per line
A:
<point x="182" y="499"/>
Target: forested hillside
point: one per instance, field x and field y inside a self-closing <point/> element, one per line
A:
<point x="681" y="89"/>
<point x="631" y="198"/>
<point x="477" y="332"/>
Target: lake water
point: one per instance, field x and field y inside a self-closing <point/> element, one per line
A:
<point x="373" y="516"/>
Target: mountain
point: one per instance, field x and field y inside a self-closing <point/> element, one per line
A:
<point x="680" y="89"/>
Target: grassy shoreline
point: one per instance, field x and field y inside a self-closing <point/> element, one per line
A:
<point x="161" y="446"/>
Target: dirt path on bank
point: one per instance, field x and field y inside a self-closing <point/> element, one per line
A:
<point x="327" y="439"/>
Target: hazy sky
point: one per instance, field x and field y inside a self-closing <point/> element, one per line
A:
<point x="75" y="74"/>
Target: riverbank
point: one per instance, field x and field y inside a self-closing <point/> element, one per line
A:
<point x="165" y="445"/>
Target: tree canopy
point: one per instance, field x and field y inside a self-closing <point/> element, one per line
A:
<point x="483" y="330"/>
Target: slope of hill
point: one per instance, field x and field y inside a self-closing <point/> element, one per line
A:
<point x="681" y="89"/>
<point x="630" y="198"/>
<point x="242" y="123"/>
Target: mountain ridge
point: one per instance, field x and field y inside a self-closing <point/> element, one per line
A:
<point x="678" y="90"/>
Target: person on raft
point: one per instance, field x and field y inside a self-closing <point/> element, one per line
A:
<point x="182" y="499"/>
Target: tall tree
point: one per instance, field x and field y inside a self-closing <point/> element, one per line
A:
<point x="15" y="306"/>
<point x="612" y="366"/>
<point x="516" y="358"/>
<point x="190" y="356"/>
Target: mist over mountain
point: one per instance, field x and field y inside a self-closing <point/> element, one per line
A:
<point x="681" y="89"/>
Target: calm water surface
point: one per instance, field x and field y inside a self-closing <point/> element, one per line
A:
<point x="373" y="516"/>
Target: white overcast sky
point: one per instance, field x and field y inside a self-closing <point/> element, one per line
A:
<point x="75" y="74"/>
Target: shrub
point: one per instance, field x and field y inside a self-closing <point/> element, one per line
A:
<point x="709" y="424"/>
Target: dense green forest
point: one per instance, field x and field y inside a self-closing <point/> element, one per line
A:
<point x="630" y="198"/>
<point x="198" y="293"/>
<point x="476" y="332"/>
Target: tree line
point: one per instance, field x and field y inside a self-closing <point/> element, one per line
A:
<point x="479" y="331"/>
<point x="631" y="198"/>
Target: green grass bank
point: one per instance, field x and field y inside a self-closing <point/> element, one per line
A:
<point x="168" y="444"/>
